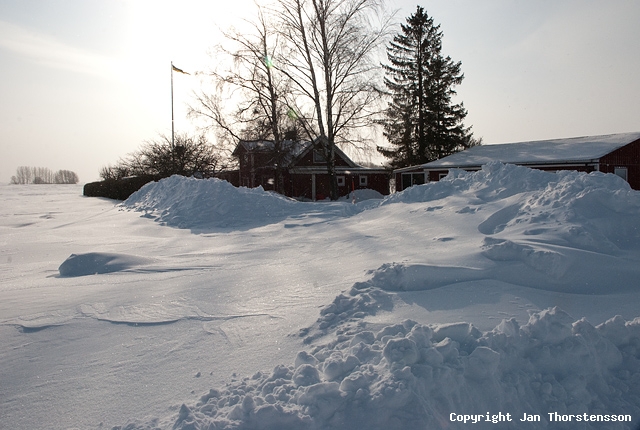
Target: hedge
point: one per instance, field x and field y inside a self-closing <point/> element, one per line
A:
<point x="117" y="189"/>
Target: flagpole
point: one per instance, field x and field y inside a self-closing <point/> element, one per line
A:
<point x="172" y="122"/>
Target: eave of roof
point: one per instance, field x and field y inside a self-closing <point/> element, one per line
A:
<point x="577" y="150"/>
<point x="322" y="169"/>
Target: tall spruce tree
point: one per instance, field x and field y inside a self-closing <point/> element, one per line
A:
<point x="421" y="123"/>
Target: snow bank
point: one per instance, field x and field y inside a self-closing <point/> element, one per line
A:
<point x="580" y="210"/>
<point x="414" y="376"/>
<point x="496" y="181"/>
<point x="555" y="231"/>
<point x="362" y="195"/>
<point x="198" y="203"/>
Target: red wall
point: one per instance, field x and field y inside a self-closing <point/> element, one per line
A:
<point x="628" y="156"/>
<point x="300" y="185"/>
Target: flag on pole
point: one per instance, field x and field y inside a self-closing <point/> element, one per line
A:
<point x="179" y="70"/>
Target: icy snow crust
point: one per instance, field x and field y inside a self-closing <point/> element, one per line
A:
<point x="566" y="232"/>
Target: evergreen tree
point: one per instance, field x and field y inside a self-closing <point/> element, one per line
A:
<point x="421" y="123"/>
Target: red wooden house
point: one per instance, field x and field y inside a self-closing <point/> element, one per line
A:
<point x="614" y="153"/>
<point x="304" y="170"/>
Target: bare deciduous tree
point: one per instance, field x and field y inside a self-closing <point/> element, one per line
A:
<point x="189" y="156"/>
<point x="65" y="177"/>
<point x="330" y="63"/>
<point x="308" y="68"/>
<point x="24" y="175"/>
<point x="261" y="112"/>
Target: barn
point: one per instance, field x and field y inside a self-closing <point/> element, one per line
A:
<point x="613" y="153"/>
<point x="304" y="170"/>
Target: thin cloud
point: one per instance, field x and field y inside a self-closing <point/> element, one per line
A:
<point x="49" y="52"/>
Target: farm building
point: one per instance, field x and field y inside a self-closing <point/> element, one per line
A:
<point x="614" y="153"/>
<point x="304" y="170"/>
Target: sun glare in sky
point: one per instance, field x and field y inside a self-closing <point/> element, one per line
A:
<point x="165" y="32"/>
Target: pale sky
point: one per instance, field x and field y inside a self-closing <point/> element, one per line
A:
<point x="83" y="83"/>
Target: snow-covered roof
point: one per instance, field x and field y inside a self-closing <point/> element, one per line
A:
<point x="577" y="149"/>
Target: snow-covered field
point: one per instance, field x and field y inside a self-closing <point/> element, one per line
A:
<point x="196" y="305"/>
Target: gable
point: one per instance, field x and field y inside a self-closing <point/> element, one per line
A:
<point x="312" y="156"/>
<point x="253" y="146"/>
<point x="298" y="154"/>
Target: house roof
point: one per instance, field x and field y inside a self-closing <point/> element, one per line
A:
<point x="309" y="146"/>
<point x="267" y="145"/>
<point x="294" y="150"/>
<point x="572" y="150"/>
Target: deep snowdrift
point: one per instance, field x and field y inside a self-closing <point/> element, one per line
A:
<point x="201" y="205"/>
<point x="557" y="231"/>
<point x="567" y="232"/>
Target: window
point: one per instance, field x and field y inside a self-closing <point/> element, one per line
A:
<point x="411" y="179"/>
<point x="622" y="172"/>
<point x="364" y="180"/>
<point x="341" y="181"/>
<point x="318" y="156"/>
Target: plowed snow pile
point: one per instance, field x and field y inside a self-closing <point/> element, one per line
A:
<point x="566" y="232"/>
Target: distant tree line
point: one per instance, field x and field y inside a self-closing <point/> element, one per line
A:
<point x="43" y="175"/>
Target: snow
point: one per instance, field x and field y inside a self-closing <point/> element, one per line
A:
<point x="93" y="263"/>
<point x="576" y="149"/>
<point x="197" y="305"/>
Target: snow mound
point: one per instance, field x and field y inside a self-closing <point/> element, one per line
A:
<point x="496" y="181"/>
<point x="202" y="204"/>
<point x="593" y="211"/>
<point x="553" y="231"/>
<point x="99" y="262"/>
<point x="414" y="376"/>
<point x="199" y="203"/>
<point x="577" y="209"/>
<point x="362" y="195"/>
